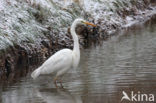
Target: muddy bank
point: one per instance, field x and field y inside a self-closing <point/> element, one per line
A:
<point x="31" y="31"/>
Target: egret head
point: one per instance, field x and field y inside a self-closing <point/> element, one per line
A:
<point x="82" y="21"/>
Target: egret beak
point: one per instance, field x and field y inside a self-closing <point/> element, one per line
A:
<point x="90" y="24"/>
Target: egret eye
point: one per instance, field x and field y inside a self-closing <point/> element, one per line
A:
<point x="82" y="22"/>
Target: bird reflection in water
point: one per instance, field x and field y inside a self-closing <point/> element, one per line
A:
<point x="52" y="95"/>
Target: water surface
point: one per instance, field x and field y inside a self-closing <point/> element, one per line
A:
<point x="125" y="62"/>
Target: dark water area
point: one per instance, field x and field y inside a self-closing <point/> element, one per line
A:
<point x="125" y="62"/>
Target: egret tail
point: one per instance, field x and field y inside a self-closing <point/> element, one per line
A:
<point x="35" y="73"/>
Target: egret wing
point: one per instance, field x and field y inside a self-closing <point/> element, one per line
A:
<point x="61" y="59"/>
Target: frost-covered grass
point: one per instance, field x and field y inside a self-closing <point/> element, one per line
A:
<point x="27" y="21"/>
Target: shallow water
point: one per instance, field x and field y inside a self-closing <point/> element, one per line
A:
<point x="125" y="62"/>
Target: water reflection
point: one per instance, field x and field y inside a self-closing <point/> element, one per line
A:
<point x="50" y="95"/>
<point x="25" y="93"/>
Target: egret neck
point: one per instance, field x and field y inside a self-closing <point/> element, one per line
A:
<point x="75" y="39"/>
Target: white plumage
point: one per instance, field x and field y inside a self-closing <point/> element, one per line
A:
<point x="56" y="63"/>
<point x="63" y="60"/>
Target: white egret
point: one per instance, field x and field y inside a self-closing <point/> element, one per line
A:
<point x="64" y="59"/>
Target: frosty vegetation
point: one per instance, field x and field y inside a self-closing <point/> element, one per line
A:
<point x="30" y="21"/>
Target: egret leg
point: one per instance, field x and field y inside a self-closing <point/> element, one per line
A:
<point x="55" y="81"/>
<point x="60" y="74"/>
<point x="60" y="80"/>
